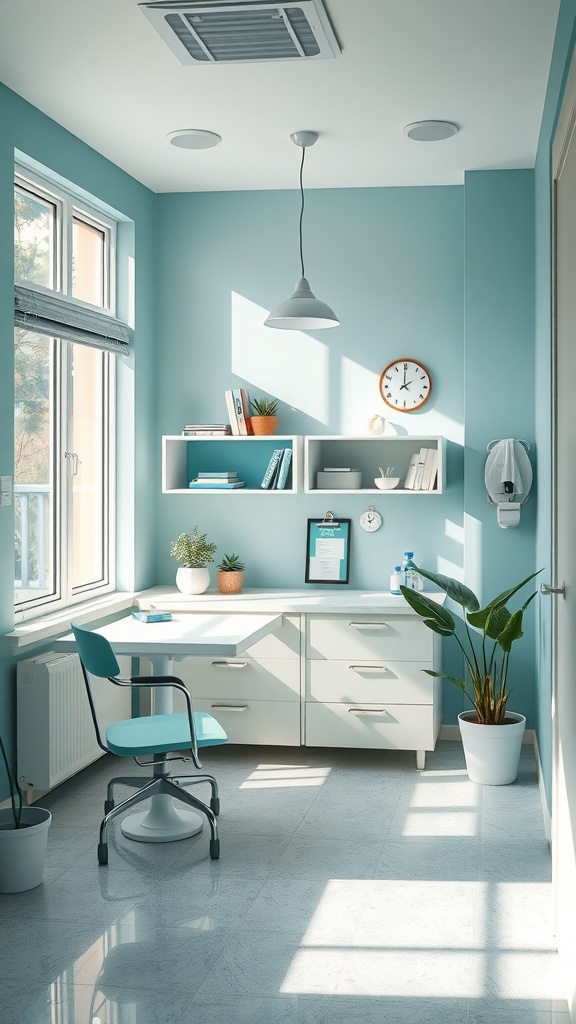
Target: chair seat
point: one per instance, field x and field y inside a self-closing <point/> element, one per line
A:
<point x="158" y="734"/>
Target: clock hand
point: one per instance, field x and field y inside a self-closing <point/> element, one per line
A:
<point x="405" y="385"/>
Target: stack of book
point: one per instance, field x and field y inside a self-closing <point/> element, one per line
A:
<point x="276" y="475"/>
<point x="206" y="430"/>
<point x="422" y="471"/>
<point x="238" y="405"/>
<point x="212" y="481"/>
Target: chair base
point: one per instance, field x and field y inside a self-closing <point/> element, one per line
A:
<point x="162" y="823"/>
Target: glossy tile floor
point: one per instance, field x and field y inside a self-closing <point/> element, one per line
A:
<point x="351" y="890"/>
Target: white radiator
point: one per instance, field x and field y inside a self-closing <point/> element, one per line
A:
<point x="55" y="732"/>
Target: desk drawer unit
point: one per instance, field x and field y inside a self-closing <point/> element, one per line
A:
<point x="257" y="696"/>
<point x="366" y="685"/>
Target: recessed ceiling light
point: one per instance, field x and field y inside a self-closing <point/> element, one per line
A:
<point x="431" y="131"/>
<point x="193" y="138"/>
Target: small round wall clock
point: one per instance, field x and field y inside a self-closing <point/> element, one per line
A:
<point x="405" y="385"/>
<point x="370" y="520"/>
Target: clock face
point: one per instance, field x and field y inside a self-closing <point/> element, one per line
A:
<point x="370" y="520"/>
<point x="405" y="385"/>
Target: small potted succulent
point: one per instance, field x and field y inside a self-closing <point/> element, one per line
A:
<point x="230" y="575"/>
<point x="264" y="418"/>
<point x="193" y="551"/>
<point x="23" y="839"/>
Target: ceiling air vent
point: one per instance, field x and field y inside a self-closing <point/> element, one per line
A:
<point x="245" y="31"/>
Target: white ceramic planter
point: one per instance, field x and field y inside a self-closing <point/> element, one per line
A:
<point x="492" y="752"/>
<point x="23" y="850"/>
<point x="192" y="581"/>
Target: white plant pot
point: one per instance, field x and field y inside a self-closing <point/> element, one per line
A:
<point x="492" y="752"/>
<point x="23" y="850"/>
<point x="192" y="581"/>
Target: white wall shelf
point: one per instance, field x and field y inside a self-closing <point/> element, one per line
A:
<point x="367" y="454"/>
<point x="184" y="457"/>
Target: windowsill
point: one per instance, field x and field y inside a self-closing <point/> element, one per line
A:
<point x="45" y="627"/>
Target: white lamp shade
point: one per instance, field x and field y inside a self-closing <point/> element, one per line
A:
<point x="302" y="311"/>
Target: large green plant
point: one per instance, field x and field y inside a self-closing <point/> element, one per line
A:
<point x="485" y="647"/>
<point x="193" y="551"/>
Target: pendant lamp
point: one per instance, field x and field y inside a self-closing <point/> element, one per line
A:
<point x="302" y="311"/>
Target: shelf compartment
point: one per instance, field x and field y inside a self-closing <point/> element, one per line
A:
<point x="367" y="454"/>
<point x="184" y="457"/>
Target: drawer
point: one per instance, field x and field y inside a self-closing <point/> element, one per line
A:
<point x="268" y="679"/>
<point x="285" y="642"/>
<point x="364" y="637"/>
<point x="396" y="682"/>
<point x="394" y="727"/>
<point x="256" y="721"/>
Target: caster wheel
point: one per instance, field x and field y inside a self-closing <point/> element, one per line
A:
<point x="215" y="805"/>
<point x="215" y="849"/>
<point x="108" y="806"/>
<point x="102" y="853"/>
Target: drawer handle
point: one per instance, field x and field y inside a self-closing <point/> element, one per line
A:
<point x="229" y="707"/>
<point x="230" y="664"/>
<point x="369" y="625"/>
<point x="368" y="668"/>
<point x="367" y="711"/>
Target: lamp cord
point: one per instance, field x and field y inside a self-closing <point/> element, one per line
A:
<point x="301" y="210"/>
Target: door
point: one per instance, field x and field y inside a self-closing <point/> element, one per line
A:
<point x="564" y="541"/>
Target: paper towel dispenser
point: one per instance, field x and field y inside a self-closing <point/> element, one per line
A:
<point x="508" y="478"/>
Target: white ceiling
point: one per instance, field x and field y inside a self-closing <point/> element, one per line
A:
<point x="101" y="70"/>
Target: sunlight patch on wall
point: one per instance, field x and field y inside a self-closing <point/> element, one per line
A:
<point x="473" y="548"/>
<point x="289" y="365"/>
<point x="359" y="398"/>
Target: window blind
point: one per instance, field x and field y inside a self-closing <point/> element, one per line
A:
<point x="60" y="318"/>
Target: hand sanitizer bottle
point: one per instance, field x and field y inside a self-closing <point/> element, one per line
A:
<point x="396" y="580"/>
<point x="411" y="577"/>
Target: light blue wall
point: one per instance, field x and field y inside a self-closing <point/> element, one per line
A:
<point x="393" y="264"/>
<point x="498" y="389"/>
<point x="28" y="131"/>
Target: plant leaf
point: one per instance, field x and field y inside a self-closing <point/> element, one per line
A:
<point x="507" y="594"/>
<point x="497" y="620"/>
<point x="439" y="627"/>
<point x="427" y="608"/>
<point x="442" y="675"/>
<point x="455" y="590"/>
<point x="512" y="631"/>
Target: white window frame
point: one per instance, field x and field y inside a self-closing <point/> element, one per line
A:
<point x="70" y="207"/>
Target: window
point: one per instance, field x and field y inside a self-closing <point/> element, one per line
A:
<point x="64" y="462"/>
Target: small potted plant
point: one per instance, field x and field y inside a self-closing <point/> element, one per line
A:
<point x="23" y="839"/>
<point x="193" y="552"/>
<point x="264" y="418"/>
<point x="230" y="575"/>
<point x="491" y="735"/>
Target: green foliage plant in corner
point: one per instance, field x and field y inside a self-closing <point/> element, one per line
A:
<point x="193" y="551"/>
<point x="485" y="639"/>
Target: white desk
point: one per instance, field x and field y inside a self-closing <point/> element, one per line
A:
<point x="163" y="643"/>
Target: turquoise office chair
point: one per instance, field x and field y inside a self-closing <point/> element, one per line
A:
<point x="152" y="734"/>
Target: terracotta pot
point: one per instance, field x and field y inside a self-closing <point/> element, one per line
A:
<point x="264" y="424"/>
<point x="230" y="582"/>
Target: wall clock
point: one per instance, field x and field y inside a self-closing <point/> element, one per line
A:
<point x="405" y="385"/>
<point x="370" y="520"/>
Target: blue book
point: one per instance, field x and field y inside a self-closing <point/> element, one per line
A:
<point x="153" y="616"/>
<point x="283" y="469"/>
<point x="220" y="485"/>
<point x="272" y="468"/>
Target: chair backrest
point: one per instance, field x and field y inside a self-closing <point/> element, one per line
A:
<point x="95" y="652"/>
<point x="98" y="659"/>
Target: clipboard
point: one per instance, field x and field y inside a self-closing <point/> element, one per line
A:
<point x="328" y="550"/>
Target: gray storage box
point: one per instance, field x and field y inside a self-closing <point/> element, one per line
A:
<point x="351" y="480"/>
